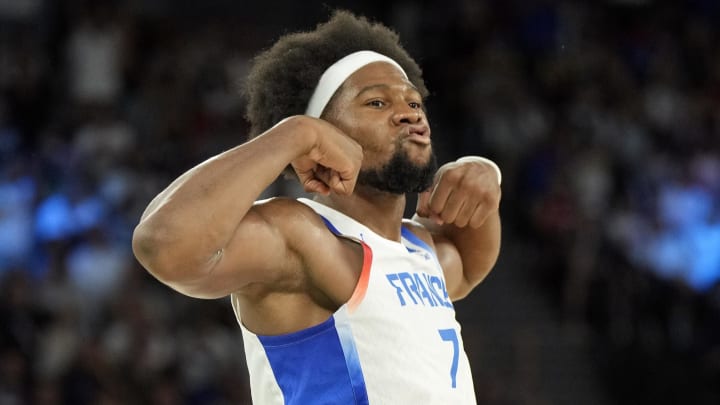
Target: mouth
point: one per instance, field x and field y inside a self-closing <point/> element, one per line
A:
<point x="419" y="134"/>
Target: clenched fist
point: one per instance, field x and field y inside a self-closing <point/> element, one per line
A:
<point x="332" y="160"/>
<point x="464" y="193"/>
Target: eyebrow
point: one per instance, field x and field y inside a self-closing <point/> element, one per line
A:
<point x="384" y="87"/>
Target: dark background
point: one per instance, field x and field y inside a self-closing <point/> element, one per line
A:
<point x="604" y="116"/>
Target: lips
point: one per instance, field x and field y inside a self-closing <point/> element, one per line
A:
<point x="417" y="134"/>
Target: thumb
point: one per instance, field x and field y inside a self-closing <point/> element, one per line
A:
<point x="340" y="186"/>
<point x="313" y="185"/>
<point x="423" y="207"/>
<point x="423" y="204"/>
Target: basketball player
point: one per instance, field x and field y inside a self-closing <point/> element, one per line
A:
<point x="339" y="299"/>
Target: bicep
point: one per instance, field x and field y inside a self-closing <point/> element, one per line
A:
<point x="451" y="262"/>
<point x="256" y="253"/>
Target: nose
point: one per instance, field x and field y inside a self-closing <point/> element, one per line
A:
<point x="407" y="115"/>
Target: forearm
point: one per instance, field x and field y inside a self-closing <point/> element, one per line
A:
<point x="461" y="210"/>
<point x="478" y="248"/>
<point x="185" y="226"/>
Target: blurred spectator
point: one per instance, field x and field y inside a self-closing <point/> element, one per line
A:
<point x="95" y="56"/>
<point x="603" y="116"/>
<point x="17" y="192"/>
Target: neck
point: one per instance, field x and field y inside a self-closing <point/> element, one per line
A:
<point x="381" y="212"/>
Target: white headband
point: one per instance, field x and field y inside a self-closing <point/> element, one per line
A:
<point x="337" y="73"/>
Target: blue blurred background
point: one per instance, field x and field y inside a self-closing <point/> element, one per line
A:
<point x="604" y="115"/>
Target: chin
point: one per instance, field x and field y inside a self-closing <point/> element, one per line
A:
<point x="418" y="155"/>
<point x="404" y="173"/>
<point x="421" y="159"/>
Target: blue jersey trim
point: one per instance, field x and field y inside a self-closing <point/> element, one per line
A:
<point x="352" y="359"/>
<point x="317" y="365"/>
<point x="330" y="226"/>
<point x="407" y="234"/>
<point x="289" y="338"/>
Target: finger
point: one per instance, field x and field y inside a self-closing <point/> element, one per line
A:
<point x="479" y="216"/>
<point x="453" y="206"/>
<point x="339" y="186"/>
<point x="422" y="208"/>
<point x="346" y="177"/>
<point x="466" y="212"/>
<point x="439" y="197"/>
<point x="341" y="178"/>
<point x="322" y="174"/>
<point x="436" y="218"/>
<point x="334" y="181"/>
<point x="313" y="185"/>
<point x="343" y="156"/>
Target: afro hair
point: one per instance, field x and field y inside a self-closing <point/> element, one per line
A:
<point x="282" y="78"/>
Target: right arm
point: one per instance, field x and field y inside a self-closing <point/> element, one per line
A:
<point x="202" y="236"/>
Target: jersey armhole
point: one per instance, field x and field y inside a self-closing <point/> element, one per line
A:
<point x="362" y="284"/>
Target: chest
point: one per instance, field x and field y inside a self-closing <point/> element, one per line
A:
<point x="401" y="278"/>
<point x="385" y="274"/>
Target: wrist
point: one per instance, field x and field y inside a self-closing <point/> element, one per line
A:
<point x="486" y="161"/>
<point x="297" y="135"/>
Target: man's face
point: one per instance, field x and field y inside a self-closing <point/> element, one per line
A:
<point x="383" y="112"/>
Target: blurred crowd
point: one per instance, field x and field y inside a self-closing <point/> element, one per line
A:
<point x="605" y="117"/>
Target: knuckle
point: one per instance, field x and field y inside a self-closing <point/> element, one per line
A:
<point x="435" y="207"/>
<point x="480" y="192"/>
<point x="453" y="176"/>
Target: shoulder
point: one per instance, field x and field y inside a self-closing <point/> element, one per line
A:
<point x="299" y="224"/>
<point x="327" y="265"/>
<point x="283" y="211"/>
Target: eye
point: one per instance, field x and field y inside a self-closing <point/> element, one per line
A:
<point x="376" y="103"/>
<point x="414" y="105"/>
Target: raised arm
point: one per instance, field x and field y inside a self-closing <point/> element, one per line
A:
<point x="203" y="236"/>
<point x="461" y="211"/>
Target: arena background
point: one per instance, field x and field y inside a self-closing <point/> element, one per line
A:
<point x="604" y="115"/>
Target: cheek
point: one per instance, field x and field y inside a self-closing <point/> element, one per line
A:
<point x="376" y="154"/>
<point x="380" y="147"/>
<point x="370" y="133"/>
<point x="373" y="138"/>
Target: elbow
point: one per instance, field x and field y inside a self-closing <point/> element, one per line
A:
<point x="145" y="246"/>
<point x="152" y="249"/>
<point x="164" y="258"/>
<point x="468" y="284"/>
<point x="483" y="271"/>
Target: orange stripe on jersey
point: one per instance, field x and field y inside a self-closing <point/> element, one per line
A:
<point x="362" y="284"/>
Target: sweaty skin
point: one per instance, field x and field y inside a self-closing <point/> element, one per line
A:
<point x="205" y="236"/>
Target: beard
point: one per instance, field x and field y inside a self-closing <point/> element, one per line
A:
<point x="400" y="175"/>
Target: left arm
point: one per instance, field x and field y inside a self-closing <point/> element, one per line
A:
<point x="461" y="211"/>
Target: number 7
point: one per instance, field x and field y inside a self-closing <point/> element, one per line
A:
<point x="449" y="335"/>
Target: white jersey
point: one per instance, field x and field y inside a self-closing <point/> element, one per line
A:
<point x="396" y="341"/>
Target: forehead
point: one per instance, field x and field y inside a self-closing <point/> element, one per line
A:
<point x="376" y="73"/>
